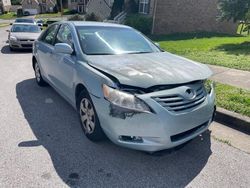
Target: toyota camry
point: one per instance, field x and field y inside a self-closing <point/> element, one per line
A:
<point x="123" y="86"/>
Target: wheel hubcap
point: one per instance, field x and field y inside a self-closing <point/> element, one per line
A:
<point x="87" y="115"/>
<point x="37" y="73"/>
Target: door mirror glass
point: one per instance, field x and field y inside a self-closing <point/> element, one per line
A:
<point x="63" y="48"/>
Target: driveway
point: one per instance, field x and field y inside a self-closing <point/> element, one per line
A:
<point x="42" y="145"/>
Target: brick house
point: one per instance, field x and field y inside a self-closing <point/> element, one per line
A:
<point x="4" y="6"/>
<point x="38" y="6"/>
<point x="169" y="16"/>
<point x="178" y="16"/>
<point x="78" y="5"/>
<point x="101" y="8"/>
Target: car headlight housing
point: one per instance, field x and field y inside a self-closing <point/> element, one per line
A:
<point x="209" y="85"/>
<point x="124" y="100"/>
<point x="13" y="38"/>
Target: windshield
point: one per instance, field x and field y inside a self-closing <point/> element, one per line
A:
<point x="113" y="40"/>
<point x="25" y="28"/>
<point x="24" y="21"/>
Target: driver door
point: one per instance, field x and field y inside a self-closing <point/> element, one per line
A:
<point x="64" y="64"/>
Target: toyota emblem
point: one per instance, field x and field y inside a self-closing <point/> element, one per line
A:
<point x="189" y="94"/>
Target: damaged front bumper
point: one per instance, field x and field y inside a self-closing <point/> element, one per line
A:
<point x="170" y="125"/>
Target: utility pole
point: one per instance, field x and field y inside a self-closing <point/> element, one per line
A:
<point x="154" y="13"/>
<point x="61" y="7"/>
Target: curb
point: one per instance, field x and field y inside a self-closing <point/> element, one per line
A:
<point x="233" y="120"/>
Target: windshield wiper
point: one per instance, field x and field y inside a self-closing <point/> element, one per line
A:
<point x="138" y="52"/>
<point x="101" y="54"/>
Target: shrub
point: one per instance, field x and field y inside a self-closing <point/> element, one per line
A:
<point x="76" y="17"/>
<point x="69" y="12"/>
<point x="140" y="22"/>
<point x="55" y="9"/>
<point x="92" y="17"/>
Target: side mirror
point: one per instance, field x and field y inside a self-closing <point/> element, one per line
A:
<point x="7" y="30"/>
<point x="157" y="44"/>
<point x="11" y="23"/>
<point x="63" y="48"/>
<point x="45" y="25"/>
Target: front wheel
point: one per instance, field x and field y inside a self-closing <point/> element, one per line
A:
<point x="39" y="79"/>
<point x="88" y="118"/>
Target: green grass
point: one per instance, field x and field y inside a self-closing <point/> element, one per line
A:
<point x="233" y="98"/>
<point x="4" y="24"/>
<point x="54" y="15"/>
<point x="48" y="15"/>
<point x="9" y="15"/>
<point x="210" y="48"/>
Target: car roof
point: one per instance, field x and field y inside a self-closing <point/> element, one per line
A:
<point x="24" y="23"/>
<point x="25" y="19"/>
<point x="97" y="24"/>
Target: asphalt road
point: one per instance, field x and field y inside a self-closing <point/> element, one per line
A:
<point x="42" y="145"/>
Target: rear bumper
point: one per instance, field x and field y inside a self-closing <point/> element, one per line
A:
<point x="154" y="131"/>
<point x="21" y="44"/>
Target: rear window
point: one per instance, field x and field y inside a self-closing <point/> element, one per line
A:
<point x="22" y="28"/>
<point x="24" y="21"/>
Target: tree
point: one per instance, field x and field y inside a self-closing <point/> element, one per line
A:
<point x="15" y="2"/>
<point x="233" y="9"/>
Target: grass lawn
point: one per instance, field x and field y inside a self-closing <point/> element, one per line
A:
<point x="9" y="15"/>
<point x="53" y="15"/>
<point x="4" y="24"/>
<point x="216" y="49"/>
<point x="48" y="15"/>
<point x="233" y="98"/>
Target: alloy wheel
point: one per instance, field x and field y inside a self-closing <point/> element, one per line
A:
<point x="87" y="116"/>
<point x="37" y="72"/>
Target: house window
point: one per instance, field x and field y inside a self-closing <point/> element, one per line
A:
<point x="144" y="6"/>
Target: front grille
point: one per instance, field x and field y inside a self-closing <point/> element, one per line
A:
<point x="27" y="45"/>
<point x="177" y="103"/>
<point x="25" y="40"/>
<point x="188" y="133"/>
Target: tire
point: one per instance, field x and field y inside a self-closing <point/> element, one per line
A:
<point x="88" y="118"/>
<point x="12" y="49"/>
<point x="39" y="79"/>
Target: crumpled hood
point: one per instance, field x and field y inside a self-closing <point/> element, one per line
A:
<point x="151" y="69"/>
<point x="25" y="35"/>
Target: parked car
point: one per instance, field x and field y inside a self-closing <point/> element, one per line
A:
<point x="39" y="22"/>
<point x="23" y="35"/>
<point x="124" y="86"/>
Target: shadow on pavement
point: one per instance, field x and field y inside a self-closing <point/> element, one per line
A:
<point x="79" y="162"/>
<point x="6" y="50"/>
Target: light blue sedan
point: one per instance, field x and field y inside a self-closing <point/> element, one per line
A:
<point x="124" y="86"/>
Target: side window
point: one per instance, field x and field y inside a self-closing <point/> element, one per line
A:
<point x="64" y="35"/>
<point x="50" y="35"/>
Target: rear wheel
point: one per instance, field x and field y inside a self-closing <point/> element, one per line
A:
<point x="39" y="79"/>
<point x="88" y="118"/>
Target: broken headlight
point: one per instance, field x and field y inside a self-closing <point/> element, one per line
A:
<point x="209" y="85"/>
<point x="124" y="100"/>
